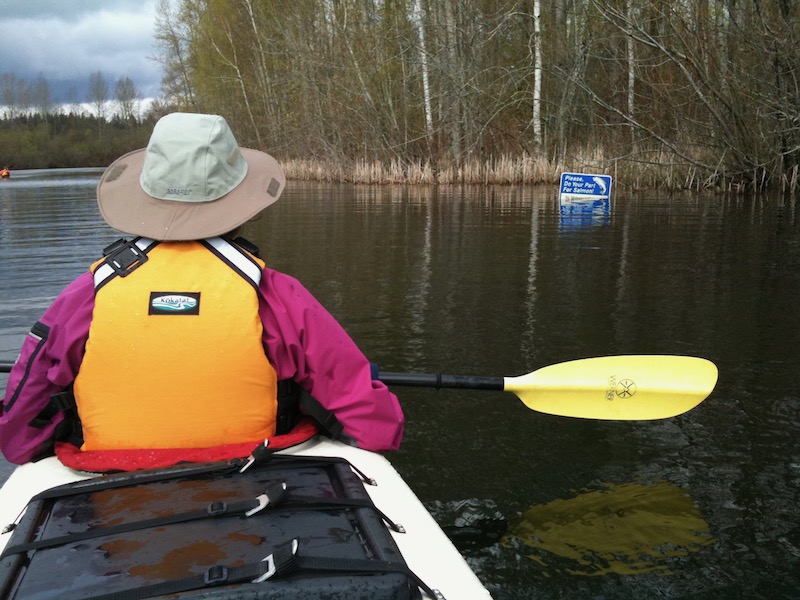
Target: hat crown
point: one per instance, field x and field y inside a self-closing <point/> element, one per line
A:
<point x="192" y="158"/>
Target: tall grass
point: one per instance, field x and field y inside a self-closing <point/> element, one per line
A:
<point x="502" y="170"/>
<point x="657" y="170"/>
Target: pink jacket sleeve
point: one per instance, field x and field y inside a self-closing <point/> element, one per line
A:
<point x="48" y="362"/>
<point x="307" y="344"/>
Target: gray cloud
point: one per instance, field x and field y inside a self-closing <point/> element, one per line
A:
<point x="67" y="41"/>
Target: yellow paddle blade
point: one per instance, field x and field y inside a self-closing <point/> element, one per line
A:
<point x="622" y="388"/>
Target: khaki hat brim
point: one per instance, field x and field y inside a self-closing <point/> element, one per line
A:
<point x="125" y="206"/>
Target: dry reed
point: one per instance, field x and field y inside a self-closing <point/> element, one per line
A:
<point x="653" y="170"/>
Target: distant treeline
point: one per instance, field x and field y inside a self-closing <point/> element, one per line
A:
<point x="39" y="131"/>
<point x="67" y="140"/>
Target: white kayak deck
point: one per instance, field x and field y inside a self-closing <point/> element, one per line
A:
<point x="427" y="550"/>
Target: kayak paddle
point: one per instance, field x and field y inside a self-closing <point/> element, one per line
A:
<point x="624" y="388"/>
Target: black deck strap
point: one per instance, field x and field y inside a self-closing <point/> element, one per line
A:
<point x="282" y="561"/>
<point x="127" y="479"/>
<point x="275" y="493"/>
<point x="272" y="497"/>
<point x="259" y="455"/>
<point x="122" y="480"/>
<point x="312" y="503"/>
<point x="262" y="454"/>
<point x="363" y="565"/>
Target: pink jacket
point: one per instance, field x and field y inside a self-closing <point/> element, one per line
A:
<point x="303" y="340"/>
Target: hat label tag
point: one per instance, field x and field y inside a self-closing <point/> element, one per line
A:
<point x="178" y="191"/>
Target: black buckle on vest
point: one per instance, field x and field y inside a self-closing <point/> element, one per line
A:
<point x="124" y="257"/>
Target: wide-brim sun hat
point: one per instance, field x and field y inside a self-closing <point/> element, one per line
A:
<point x="193" y="181"/>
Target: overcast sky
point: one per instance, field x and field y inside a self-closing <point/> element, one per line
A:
<point x="68" y="40"/>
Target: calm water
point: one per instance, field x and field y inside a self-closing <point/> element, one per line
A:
<point x="497" y="282"/>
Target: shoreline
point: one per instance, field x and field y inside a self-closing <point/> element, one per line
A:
<point x="509" y="170"/>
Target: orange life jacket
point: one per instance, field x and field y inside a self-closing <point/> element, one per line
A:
<point x="174" y="357"/>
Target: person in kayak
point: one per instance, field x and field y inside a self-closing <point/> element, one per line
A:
<point x="175" y="345"/>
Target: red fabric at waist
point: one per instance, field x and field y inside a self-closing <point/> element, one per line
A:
<point x="105" y="461"/>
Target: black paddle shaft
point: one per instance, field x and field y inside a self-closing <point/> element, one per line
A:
<point x="438" y="381"/>
<point x="428" y="380"/>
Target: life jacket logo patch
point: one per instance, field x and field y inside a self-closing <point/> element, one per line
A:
<point x="174" y="303"/>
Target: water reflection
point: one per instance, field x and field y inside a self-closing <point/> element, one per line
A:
<point x="580" y="214"/>
<point x="625" y="529"/>
<point x="528" y="343"/>
<point x="50" y="231"/>
<point x="56" y="178"/>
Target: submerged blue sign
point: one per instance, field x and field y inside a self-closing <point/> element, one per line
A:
<point x="584" y="198"/>
<point x="580" y="187"/>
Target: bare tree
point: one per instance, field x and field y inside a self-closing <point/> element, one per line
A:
<point x="174" y="34"/>
<point x="71" y="99"/>
<point x="42" y="98"/>
<point x="571" y="71"/>
<point x="12" y="92"/>
<point x="97" y="94"/>
<point x="537" y="74"/>
<point x="127" y="99"/>
<point x="419" y="16"/>
<point x="631" y="57"/>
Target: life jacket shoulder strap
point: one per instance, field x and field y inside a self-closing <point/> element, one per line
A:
<point x="236" y="258"/>
<point x="123" y="257"/>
